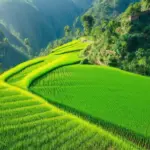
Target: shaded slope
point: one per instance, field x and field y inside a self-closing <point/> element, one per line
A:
<point x="26" y="20"/>
<point x="10" y="56"/>
<point x="40" y="21"/>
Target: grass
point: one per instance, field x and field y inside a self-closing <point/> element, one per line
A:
<point x="28" y="121"/>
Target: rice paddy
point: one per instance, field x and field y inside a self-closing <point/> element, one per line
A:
<point x="28" y="121"/>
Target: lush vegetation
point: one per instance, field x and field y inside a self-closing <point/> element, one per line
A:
<point x="123" y="42"/>
<point x="119" y="41"/>
<point x="35" y="124"/>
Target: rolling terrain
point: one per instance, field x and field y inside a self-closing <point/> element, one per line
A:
<point x="51" y="102"/>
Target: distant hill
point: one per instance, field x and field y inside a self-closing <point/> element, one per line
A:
<point x="41" y="21"/>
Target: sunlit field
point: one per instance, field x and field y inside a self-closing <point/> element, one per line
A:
<point x="71" y="97"/>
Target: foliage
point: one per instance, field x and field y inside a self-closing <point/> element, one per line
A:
<point x="88" y="22"/>
<point x="67" y="30"/>
<point x="119" y="40"/>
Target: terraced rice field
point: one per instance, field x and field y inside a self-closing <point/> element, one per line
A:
<point x="99" y="92"/>
<point x="28" y="121"/>
<point x="71" y="47"/>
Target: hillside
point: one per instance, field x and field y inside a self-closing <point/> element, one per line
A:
<point x="124" y="42"/>
<point x="68" y="91"/>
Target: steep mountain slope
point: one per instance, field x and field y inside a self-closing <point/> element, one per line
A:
<point x="27" y="21"/>
<point x="35" y="124"/>
<point x="40" y="21"/>
<point x="10" y="56"/>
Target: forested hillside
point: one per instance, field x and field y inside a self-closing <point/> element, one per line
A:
<point x="123" y="42"/>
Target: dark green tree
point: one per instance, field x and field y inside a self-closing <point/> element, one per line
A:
<point x="78" y="32"/>
<point x="88" y="22"/>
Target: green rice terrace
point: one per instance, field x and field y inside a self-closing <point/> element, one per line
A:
<point x="56" y="103"/>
